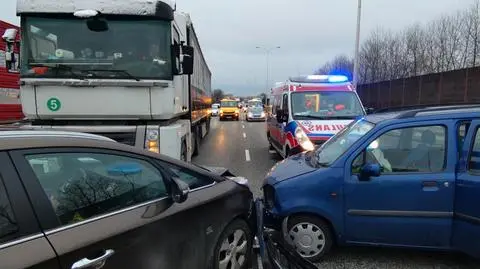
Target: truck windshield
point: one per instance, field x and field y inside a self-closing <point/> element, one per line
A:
<point x="342" y="141"/>
<point x="67" y="48"/>
<point x="326" y="105"/>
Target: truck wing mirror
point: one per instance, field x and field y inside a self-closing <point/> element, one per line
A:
<point x="187" y="60"/>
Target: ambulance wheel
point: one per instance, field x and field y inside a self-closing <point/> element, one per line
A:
<point x="287" y="152"/>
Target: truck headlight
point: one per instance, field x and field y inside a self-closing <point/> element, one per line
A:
<point x="303" y="139"/>
<point x="152" y="140"/>
<point x="237" y="111"/>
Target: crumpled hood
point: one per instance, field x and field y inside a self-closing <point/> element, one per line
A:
<point x="221" y="171"/>
<point x="289" y="168"/>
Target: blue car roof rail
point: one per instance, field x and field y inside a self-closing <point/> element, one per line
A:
<point x="441" y="108"/>
<point x="414" y="107"/>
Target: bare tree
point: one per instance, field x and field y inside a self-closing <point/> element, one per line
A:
<point x="447" y="43"/>
<point x="341" y="64"/>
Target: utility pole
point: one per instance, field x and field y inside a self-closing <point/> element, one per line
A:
<point x="357" y="46"/>
<point x="267" y="52"/>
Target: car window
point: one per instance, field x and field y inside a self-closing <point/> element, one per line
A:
<point x="83" y="185"/>
<point x="474" y="158"/>
<point x="193" y="179"/>
<point x="461" y="133"/>
<point x="417" y="149"/>
<point x="8" y="223"/>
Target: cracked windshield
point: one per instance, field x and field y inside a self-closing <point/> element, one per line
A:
<point x="240" y="134"/>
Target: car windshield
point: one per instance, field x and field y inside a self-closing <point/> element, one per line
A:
<point x="215" y="106"/>
<point x="256" y="109"/>
<point x="254" y="103"/>
<point x="341" y="142"/>
<point x="229" y="103"/>
<point x="125" y="50"/>
<point x="326" y="104"/>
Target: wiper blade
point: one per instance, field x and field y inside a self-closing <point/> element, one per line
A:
<point x="343" y="117"/>
<point x="60" y="67"/>
<point x="314" y="117"/>
<point x="323" y="164"/>
<point x="125" y="72"/>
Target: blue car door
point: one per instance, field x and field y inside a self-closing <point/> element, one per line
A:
<point x="411" y="202"/>
<point x="466" y="224"/>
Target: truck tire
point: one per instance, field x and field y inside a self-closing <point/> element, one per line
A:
<point x="196" y="145"/>
<point x="183" y="151"/>
<point x="208" y="125"/>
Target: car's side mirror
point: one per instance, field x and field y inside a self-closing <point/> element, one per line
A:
<point x="369" y="110"/>
<point x="369" y="170"/>
<point x="180" y="190"/>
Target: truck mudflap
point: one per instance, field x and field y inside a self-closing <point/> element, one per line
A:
<point x="273" y="250"/>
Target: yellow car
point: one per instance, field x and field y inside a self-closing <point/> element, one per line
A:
<point x="229" y="109"/>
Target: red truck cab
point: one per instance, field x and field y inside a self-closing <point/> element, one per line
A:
<point x="10" y="106"/>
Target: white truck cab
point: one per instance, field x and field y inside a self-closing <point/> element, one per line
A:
<point x="123" y="69"/>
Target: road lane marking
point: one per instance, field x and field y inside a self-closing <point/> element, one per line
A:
<point x="243" y="126"/>
<point x="244" y="135"/>
<point x="247" y="155"/>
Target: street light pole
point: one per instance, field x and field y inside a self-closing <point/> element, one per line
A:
<point x="357" y="46"/>
<point x="267" y="52"/>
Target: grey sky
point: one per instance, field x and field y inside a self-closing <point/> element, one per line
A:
<point x="309" y="33"/>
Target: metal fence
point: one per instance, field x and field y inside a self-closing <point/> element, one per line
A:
<point x="458" y="86"/>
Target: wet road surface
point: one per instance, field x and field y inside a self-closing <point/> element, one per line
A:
<point x="243" y="148"/>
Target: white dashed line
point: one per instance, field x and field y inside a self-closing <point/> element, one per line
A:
<point x="244" y="135"/>
<point x="247" y="155"/>
<point x="243" y="126"/>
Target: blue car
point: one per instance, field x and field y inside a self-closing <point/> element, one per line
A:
<point x="406" y="178"/>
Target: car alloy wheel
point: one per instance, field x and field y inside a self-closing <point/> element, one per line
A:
<point x="311" y="237"/>
<point x="234" y="247"/>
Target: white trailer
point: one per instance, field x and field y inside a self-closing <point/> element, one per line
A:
<point x="131" y="70"/>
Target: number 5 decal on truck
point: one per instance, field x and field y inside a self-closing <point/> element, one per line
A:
<point x="53" y="104"/>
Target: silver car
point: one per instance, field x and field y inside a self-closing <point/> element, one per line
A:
<point x="255" y="113"/>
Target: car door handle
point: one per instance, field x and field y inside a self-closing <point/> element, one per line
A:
<point x="430" y="184"/>
<point x="94" y="263"/>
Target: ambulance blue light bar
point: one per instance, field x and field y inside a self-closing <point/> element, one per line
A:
<point x="320" y="79"/>
<point x="329" y="78"/>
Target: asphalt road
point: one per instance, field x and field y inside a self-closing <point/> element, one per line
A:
<point x="243" y="148"/>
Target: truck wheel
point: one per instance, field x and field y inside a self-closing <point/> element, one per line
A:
<point x="312" y="237"/>
<point x="208" y="125"/>
<point x="197" y="142"/>
<point x="183" y="151"/>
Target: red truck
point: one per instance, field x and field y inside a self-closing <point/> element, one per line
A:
<point x="10" y="107"/>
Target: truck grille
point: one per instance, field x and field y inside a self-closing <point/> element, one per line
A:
<point x="124" y="138"/>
